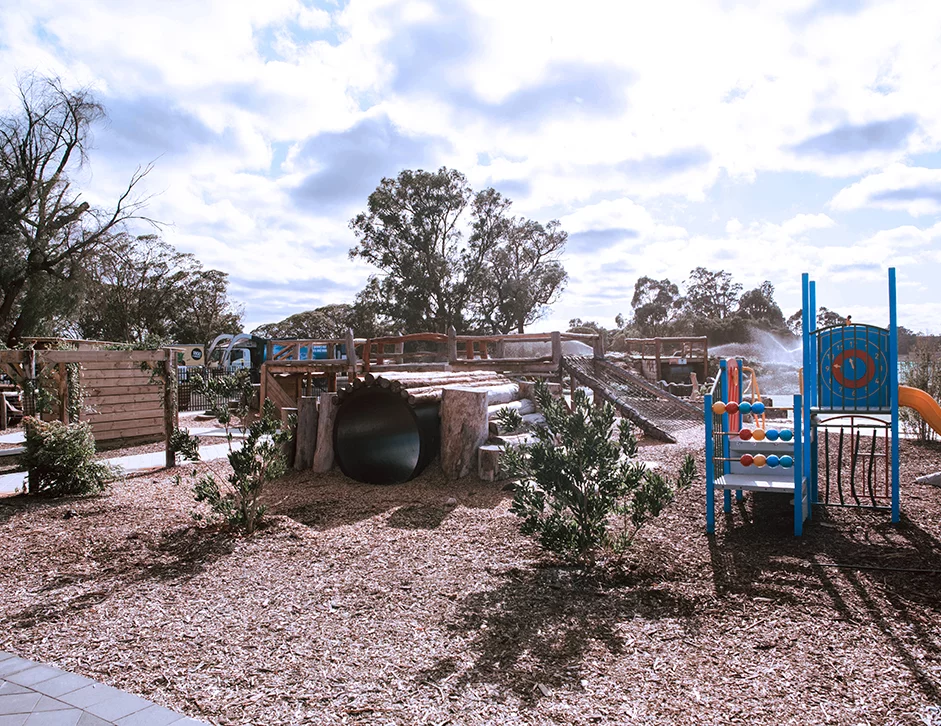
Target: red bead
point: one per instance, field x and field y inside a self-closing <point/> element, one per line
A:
<point x="731" y="407"/>
<point x="744" y="434"/>
<point x="746" y="460"/>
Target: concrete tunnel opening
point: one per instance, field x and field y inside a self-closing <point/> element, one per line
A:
<point x="379" y="438"/>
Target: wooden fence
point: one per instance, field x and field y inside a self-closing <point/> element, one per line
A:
<point x="128" y="396"/>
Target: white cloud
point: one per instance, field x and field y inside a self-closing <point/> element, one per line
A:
<point x="595" y="112"/>
<point x="915" y="190"/>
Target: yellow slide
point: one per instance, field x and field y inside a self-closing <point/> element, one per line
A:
<point x="926" y="406"/>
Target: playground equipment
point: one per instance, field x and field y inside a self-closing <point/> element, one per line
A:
<point x="849" y="383"/>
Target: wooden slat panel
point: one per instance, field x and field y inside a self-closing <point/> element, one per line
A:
<point x="93" y="376"/>
<point x="123" y="389"/>
<point x="146" y="414"/>
<point x="123" y="427"/>
<point x="92" y="356"/>
<point x="127" y="433"/>
<point x="108" y="365"/>
<point x="104" y="400"/>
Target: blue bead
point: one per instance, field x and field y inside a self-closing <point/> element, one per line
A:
<point x="758" y="407"/>
<point x="771" y="434"/>
<point x="773" y="460"/>
<point x="744" y="407"/>
<point x="787" y="462"/>
<point x="787" y="435"/>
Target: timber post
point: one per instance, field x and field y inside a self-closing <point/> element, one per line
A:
<point x="556" y="349"/>
<point x="350" y="354"/>
<point x="452" y="344"/>
<point x="323" y="454"/>
<point x="306" y="433"/>
<point x="464" y="429"/>
<point x="170" y="414"/>
<point x="599" y="346"/>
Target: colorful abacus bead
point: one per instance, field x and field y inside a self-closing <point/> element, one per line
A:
<point x="787" y="462"/>
<point x="773" y="461"/>
<point x="744" y="434"/>
<point x="718" y="408"/>
<point x="731" y="407"/>
<point x="786" y="435"/>
<point x="759" y="434"/>
<point x="744" y="407"/>
<point x="746" y="460"/>
<point x="758" y="408"/>
<point x="772" y="434"/>
<point x="760" y="460"/>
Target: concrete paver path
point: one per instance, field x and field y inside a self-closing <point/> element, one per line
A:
<point x="32" y="694"/>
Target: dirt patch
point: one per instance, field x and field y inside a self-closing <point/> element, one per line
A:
<point x="396" y="605"/>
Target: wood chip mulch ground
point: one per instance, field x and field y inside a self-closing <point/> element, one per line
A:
<point x="393" y="605"/>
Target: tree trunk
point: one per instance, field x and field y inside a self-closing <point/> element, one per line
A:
<point x="6" y="307"/>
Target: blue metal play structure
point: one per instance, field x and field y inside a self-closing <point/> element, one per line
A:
<point x="849" y="384"/>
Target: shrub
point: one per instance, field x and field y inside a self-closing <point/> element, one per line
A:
<point x="511" y="420"/>
<point x="580" y="491"/>
<point x="60" y="459"/>
<point x="235" y="498"/>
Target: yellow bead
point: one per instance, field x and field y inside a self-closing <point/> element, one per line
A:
<point x="760" y="460"/>
<point x="718" y="408"/>
<point x="758" y="434"/>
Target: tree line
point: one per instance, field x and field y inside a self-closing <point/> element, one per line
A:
<point x="68" y="268"/>
<point x="445" y="256"/>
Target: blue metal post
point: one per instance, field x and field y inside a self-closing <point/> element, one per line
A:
<point x="710" y="468"/>
<point x="812" y="396"/>
<point x="726" y="467"/>
<point x="739" y="496"/>
<point x="894" y="394"/>
<point x="798" y="469"/>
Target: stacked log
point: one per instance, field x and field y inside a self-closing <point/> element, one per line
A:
<point x="470" y="428"/>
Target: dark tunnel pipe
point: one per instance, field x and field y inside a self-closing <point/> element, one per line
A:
<point x="379" y="438"/>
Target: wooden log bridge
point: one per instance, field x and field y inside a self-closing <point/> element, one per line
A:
<point x="657" y="413"/>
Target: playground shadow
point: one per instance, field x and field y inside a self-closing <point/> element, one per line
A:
<point x="327" y="501"/>
<point x="534" y="631"/>
<point x="851" y="565"/>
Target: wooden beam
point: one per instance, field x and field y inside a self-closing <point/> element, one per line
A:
<point x="101" y="356"/>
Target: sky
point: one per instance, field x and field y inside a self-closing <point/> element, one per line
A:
<point x="763" y="137"/>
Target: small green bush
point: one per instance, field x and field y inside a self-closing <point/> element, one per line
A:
<point x="235" y="498"/>
<point x="580" y="491"/>
<point x="510" y="419"/>
<point x="60" y="459"/>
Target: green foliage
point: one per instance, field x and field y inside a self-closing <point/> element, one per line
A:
<point x="60" y="459"/>
<point x="141" y="290"/>
<point x="329" y="321"/>
<point x="580" y="490"/>
<point x="922" y="370"/>
<point x="499" y="278"/>
<point x="511" y="420"/>
<point x="711" y="305"/>
<point x="235" y="498"/>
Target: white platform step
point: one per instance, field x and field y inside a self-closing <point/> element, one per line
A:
<point x="758" y="483"/>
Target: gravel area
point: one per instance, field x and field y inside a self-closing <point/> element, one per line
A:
<point x="390" y="605"/>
